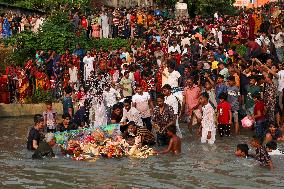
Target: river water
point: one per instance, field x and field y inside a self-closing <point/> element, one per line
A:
<point x="199" y="166"/>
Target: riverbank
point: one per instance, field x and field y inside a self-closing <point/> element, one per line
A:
<point x="16" y="110"/>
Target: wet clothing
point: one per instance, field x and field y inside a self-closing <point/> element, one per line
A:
<point x="262" y="156"/>
<point x="43" y="150"/>
<point x="34" y="134"/>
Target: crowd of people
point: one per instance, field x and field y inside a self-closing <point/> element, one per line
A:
<point x="185" y="70"/>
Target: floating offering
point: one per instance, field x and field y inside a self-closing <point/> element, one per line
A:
<point x="104" y="141"/>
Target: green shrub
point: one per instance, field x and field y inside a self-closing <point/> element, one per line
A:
<point x="57" y="34"/>
<point x="39" y="96"/>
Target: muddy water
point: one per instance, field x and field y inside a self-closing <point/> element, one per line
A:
<point x="199" y="166"/>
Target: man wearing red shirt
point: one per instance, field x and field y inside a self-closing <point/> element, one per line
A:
<point x="224" y="116"/>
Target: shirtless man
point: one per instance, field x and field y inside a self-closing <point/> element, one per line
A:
<point x="175" y="142"/>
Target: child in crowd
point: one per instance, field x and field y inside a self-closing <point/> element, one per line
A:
<point x="224" y="115"/>
<point x="233" y="99"/>
<point x="49" y="116"/>
<point x="220" y="86"/>
<point x="175" y="141"/>
<point x="242" y="150"/>
<point x="261" y="155"/>
<point x="273" y="133"/>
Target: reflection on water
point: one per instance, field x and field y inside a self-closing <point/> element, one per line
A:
<point x="200" y="166"/>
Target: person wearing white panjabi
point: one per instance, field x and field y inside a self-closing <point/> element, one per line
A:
<point x="88" y="65"/>
<point x="172" y="101"/>
<point x="104" y="23"/>
<point x="208" y="128"/>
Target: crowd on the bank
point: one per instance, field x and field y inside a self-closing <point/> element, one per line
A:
<point x="184" y="70"/>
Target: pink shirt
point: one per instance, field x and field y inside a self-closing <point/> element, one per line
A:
<point x="191" y="97"/>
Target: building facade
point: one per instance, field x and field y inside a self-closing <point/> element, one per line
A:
<point x="252" y="3"/>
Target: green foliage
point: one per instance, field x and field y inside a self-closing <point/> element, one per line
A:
<point x="57" y="34"/>
<point x="241" y="50"/>
<point x="39" y="96"/>
<point x="204" y="7"/>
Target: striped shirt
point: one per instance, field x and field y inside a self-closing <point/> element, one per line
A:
<point x="146" y="136"/>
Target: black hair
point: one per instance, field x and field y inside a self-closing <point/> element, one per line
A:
<point x="68" y="89"/>
<point x="38" y="118"/>
<point x="231" y="78"/>
<point x="257" y="96"/>
<point x="223" y="96"/>
<point x="48" y="102"/>
<point x="161" y="96"/>
<point x="172" y="128"/>
<point x="64" y="116"/>
<point x="205" y="95"/>
<point x="132" y="123"/>
<point x="244" y="148"/>
<point x="254" y="137"/>
<point x="127" y="101"/>
<point x="167" y="86"/>
<point x="271" y="145"/>
<point x="220" y="76"/>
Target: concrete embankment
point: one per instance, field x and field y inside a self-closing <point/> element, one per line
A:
<point x="15" y="110"/>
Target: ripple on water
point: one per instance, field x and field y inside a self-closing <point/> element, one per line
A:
<point x="199" y="166"/>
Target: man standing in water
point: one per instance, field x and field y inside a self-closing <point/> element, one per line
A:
<point x="163" y="117"/>
<point x="35" y="136"/>
<point x="208" y="129"/>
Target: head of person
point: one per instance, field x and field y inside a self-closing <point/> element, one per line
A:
<point x="208" y="85"/>
<point x="256" y="97"/>
<point x="48" y="105"/>
<point x="117" y="109"/>
<point x="269" y="78"/>
<point x="171" y="130"/>
<point x="255" y="142"/>
<point x="132" y="127"/>
<point x="221" y="66"/>
<point x="242" y="150"/>
<point x="167" y="90"/>
<point x="223" y="96"/>
<point x="66" y="119"/>
<point x="189" y="82"/>
<point x="231" y="81"/>
<point x="203" y="99"/>
<point x="160" y="100"/>
<point x="171" y="68"/>
<point x="81" y="88"/>
<point x="220" y="78"/>
<point x="270" y="146"/>
<point x="139" y="89"/>
<point x="38" y="121"/>
<point x="50" y="139"/>
<point x="126" y="74"/>
<point x="272" y="127"/>
<point x="68" y="90"/>
<point x="127" y="104"/>
<point x="252" y="81"/>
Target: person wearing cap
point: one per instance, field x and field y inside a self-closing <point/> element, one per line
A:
<point x="35" y="136"/>
<point x="45" y="147"/>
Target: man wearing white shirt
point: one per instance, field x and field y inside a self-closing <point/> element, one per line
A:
<point x="111" y="97"/>
<point x="172" y="78"/>
<point x="143" y="103"/>
<point x="172" y="101"/>
<point x="280" y="75"/>
<point x="175" y="47"/>
<point x="278" y="41"/>
<point x="88" y="65"/>
<point x="208" y="128"/>
<point x="104" y="23"/>
<point x="130" y="113"/>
